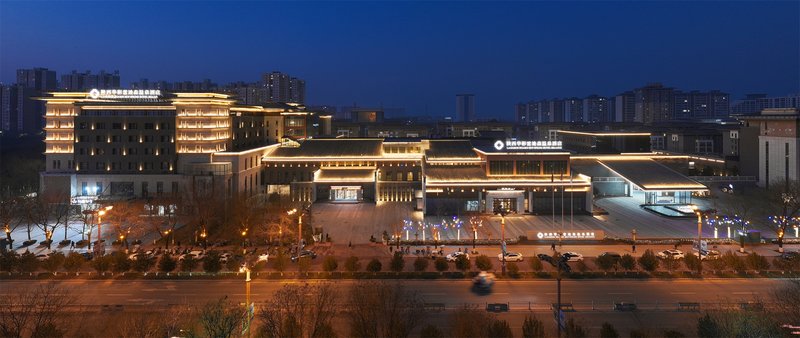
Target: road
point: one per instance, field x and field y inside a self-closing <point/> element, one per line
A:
<point x="538" y="294"/>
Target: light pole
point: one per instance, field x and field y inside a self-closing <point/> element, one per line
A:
<point x="475" y="222"/>
<point x="299" y="226"/>
<point x="502" y="212"/>
<point x="699" y="214"/>
<point x="247" y="307"/>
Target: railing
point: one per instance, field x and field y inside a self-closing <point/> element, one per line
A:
<point x="724" y="178"/>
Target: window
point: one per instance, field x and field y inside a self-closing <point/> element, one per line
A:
<point x="555" y="167"/>
<point x="132" y="126"/>
<point x="144" y="189"/>
<point x="116" y="125"/>
<point x="468" y="133"/>
<point x="159" y="188"/>
<point x="657" y="142"/>
<point x="704" y="146"/>
<point x="99" y="187"/>
<point x="501" y="167"/>
<point x="148" y="126"/>
<point x="528" y="167"/>
<point x="84" y="189"/>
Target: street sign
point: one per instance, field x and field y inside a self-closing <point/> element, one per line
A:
<point x="503" y="246"/>
<point x="559" y="318"/>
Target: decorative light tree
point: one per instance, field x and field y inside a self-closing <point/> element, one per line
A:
<point x="475" y="222"/>
<point x="407" y="226"/>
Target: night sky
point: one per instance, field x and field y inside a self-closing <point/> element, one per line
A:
<point x="418" y="55"/>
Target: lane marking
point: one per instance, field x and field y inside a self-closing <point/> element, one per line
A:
<point x="683" y="293"/>
<point x="620" y="293"/>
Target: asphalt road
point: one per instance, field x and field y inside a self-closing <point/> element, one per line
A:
<point x="535" y="295"/>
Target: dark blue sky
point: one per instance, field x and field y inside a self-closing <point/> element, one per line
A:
<point x="415" y="54"/>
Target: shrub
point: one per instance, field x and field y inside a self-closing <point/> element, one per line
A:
<point x="483" y="263"/>
<point x="421" y="264"/>
<point x="374" y="265"/>
<point x="259" y="266"/>
<point x="352" y="264"/>
<point x="211" y="262"/>
<point x="513" y="269"/>
<point x="707" y="327"/>
<point x="441" y="264"/>
<point x="304" y="264"/>
<point x="462" y="263"/>
<point x="73" y="262"/>
<point x="232" y="264"/>
<point x="692" y="262"/>
<point x="330" y="264"/>
<point x="499" y="329"/>
<point x="605" y="262"/>
<point x="430" y="331"/>
<point x="101" y="264"/>
<point x="581" y="266"/>
<point x="757" y="262"/>
<point x="573" y="330"/>
<point x="732" y="261"/>
<point x="532" y="327"/>
<point x="188" y="263"/>
<point x="536" y="264"/>
<point x="627" y="262"/>
<point x="397" y="262"/>
<point x="648" y="261"/>
<point x="608" y="331"/>
<point x="143" y="263"/>
<point x="27" y="262"/>
<point x="717" y="264"/>
<point x="120" y="262"/>
<point x="670" y="333"/>
<point x="167" y="263"/>
<point x="280" y="262"/>
<point x="8" y="260"/>
<point x="672" y="264"/>
<point x="53" y="262"/>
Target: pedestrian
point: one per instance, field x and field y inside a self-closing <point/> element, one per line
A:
<point x="391" y="248"/>
<point x="350" y="244"/>
<point x="553" y="246"/>
<point x="633" y="248"/>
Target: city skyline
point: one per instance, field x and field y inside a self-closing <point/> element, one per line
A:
<point x="747" y="54"/>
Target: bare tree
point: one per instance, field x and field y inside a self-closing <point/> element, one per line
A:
<point x="470" y="323"/>
<point x="35" y="312"/>
<point x="11" y="216"/>
<point x="47" y="212"/>
<point x="383" y="309"/>
<point x="220" y="318"/>
<point x="784" y="207"/>
<point x="127" y="220"/>
<point x="246" y="212"/>
<point x="299" y="311"/>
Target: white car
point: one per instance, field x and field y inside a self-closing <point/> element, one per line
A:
<point x="670" y="254"/>
<point x="263" y="257"/>
<point x="710" y="255"/>
<point x="511" y="257"/>
<point x="572" y="256"/>
<point x="196" y="255"/>
<point x="453" y="256"/>
<point x="224" y="257"/>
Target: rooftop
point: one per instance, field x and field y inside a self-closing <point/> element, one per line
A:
<point x="349" y="147"/>
<point x="450" y="149"/>
<point x="650" y="175"/>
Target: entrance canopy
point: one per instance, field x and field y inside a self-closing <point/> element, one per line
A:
<point x="333" y="175"/>
<point x="650" y="175"/>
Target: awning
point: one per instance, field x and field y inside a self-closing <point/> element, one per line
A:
<point x="344" y="175"/>
<point x="650" y="175"/>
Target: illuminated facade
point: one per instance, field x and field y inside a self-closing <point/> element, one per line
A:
<point x="145" y="143"/>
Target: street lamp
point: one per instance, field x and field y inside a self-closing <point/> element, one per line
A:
<point x="299" y="225"/>
<point x="502" y="212"/>
<point x="248" y="308"/>
<point x="476" y="222"/>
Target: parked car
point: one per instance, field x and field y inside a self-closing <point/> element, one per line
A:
<point x="708" y="255"/>
<point x="224" y="257"/>
<point x="453" y="256"/>
<point x="511" y="257"/>
<point x="726" y="188"/>
<point x="42" y="257"/>
<point x="547" y="258"/>
<point x="263" y="257"/>
<point x="790" y="255"/>
<point x="572" y="256"/>
<point x="614" y="255"/>
<point x="195" y="254"/>
<point x="304" y="253"/>
<point x="670" y="254"/>
<point x="87" y="255"/>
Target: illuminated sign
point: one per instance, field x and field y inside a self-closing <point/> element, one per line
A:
<point x="124" y="93"/>
<point x="569" y="235"/>
<point x="527" y="145"/>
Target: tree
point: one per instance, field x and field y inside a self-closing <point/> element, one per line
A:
<point x="483" y="263"/>
<point x="188" y="263"/>
<point x="756" y="262"/>
<point x="441" y="264"/>
<point x="648" y="261"/>
<point x="47" y="212"/>
<point x="732" y="261"/>
<point x="430" y="331"/>
<point x="606" y="262"/>
<point x="221" y="318"/>
<point x="670" y="333"/>
<point x="54" y="261"/>
<point x="383" y="309"/>
<point x="608" y="331"/>
<point x="627" y="262"/>
<point x="462" y="263"/>
<point x="351" y="264"/>
<point x="27" y="262"/>
<point x="8" y="260"/>
<point x="398" y="263"/>
<point x="101" y="264"/>
<point x="73" y="262"/>
<point x="532" y="327"/>
<point x="126" y="218"/>
<point x="211" y="263"/>
<point x="280" y="262"/>
<point x="468" y="323"/>
<point x="573" y="330"/>
<point x="11" y="217"/>
<point x="738" y="323"/>
<point x="672" y="264"/>
<point x="513" y="269"/>
<point x="330" y="264"/>
<point x="35" y="312"/>
<point x="143" y="263"/>
<point x="707" y="327"/>
<point x="421" y="264"/>
<point x="786" y="299"/>
<point x="692" y="262"/>
<point x="784" y="205"/>
<point x="374" y="265"/>
<point x="299" y="311"/>
<point x="120" y="262"/>
<point x="536" y="264"/>
<point x="167" y="263"/>
<point x="304" y="264"/>
<point x="499" y="329"/>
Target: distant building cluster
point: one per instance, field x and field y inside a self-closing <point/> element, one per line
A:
<point x="650" y="104"/>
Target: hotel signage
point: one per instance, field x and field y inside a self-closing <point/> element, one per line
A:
<point x="124" y="93"/>
<point x="526" y="145"/>
<point x="568" y="235"/>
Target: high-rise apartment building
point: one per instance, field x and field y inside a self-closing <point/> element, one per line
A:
<point x="654" y="103"/>
<point x="755" y="103"/>
<point x="284" y="88"/>
<point x="596" y="109"/>
<point x="37" y="78"/>
<point x="76" y="81"/>
<point x="573" y="110"/>
<point x="465" y="107"/>
<point x="700" y="105"/>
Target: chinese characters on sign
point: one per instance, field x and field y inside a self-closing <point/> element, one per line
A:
<point x="527" y="145"/>
<point x="124" y="93"/>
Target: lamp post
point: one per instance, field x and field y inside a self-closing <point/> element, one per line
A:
<point x="248" y="310"/>
<point x="699" y="237"/>
<point x="475" y="222"/>
<point x="502" y="212"/>
<point x="299" y="226"/>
